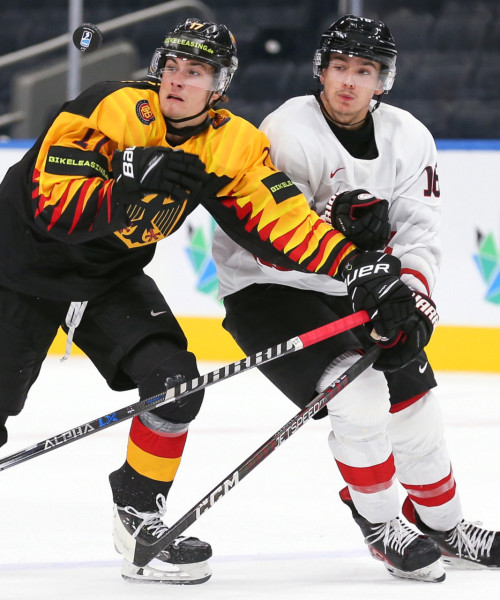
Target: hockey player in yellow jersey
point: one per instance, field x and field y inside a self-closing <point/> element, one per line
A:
<point x="118" y="169"/>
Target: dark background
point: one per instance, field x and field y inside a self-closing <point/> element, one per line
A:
<point x="448" y="66"/>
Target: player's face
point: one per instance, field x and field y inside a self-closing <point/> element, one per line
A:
<point x="349" y="84"/>
<point x="185" y="88"/>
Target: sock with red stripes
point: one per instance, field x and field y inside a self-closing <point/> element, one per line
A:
<point x="153" y="458"/>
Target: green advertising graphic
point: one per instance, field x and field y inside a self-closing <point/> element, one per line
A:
<point x="487" y="260"/>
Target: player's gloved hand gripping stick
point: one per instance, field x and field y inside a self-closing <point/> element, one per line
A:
<point x="183" y="389"/>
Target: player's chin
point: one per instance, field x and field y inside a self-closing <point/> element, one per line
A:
<point x="174" y="109"/>
<point x="347" y="108"/>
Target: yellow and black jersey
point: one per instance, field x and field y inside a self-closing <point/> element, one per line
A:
<point x="69" y="237"/>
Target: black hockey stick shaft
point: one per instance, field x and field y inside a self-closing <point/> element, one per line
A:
<point x="183" y="389"/>
<point x="246" y="467"/>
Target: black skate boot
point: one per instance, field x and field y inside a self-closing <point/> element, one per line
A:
<point x="183" y="562"/>
<point x="466" y="546"/>
<point x="404" y="552"/>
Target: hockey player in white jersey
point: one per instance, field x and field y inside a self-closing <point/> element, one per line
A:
<point x="370" y="169"/>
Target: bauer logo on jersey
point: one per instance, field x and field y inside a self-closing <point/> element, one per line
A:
<point x="144" y="112"/>
<point x="280" y="186"/>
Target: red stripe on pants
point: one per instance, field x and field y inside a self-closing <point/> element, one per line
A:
<point x="405" y="403"/>
<point x="369" y="480"/>
<point x="432" y="494"/>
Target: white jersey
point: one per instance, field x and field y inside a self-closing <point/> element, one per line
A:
<point x="404" y="173"/>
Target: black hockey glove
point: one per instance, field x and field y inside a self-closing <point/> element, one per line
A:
<point x="412" y="339"/>
<point x="361" y="217"/>
<point x="373" y="284"/>
<point x="171" y="173"/>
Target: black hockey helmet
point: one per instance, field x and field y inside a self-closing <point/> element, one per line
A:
<point x="358" y="36"/>
<point x="207" y="42"/>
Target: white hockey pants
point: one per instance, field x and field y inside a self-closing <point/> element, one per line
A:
<point x="371" y="446"/>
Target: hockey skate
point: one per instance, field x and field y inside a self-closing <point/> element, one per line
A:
<point x="404" y="552"/>
<point x="183" y="562"/>
<point x="466" y="546"/>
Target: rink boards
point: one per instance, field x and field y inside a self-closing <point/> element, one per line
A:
<point x="467" y="295"/>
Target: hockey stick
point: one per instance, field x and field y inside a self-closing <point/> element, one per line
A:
<point x="183" y="389"/>
<point x="144" y="554"/>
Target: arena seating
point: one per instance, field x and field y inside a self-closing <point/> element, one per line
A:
<point x="448" y="61"/>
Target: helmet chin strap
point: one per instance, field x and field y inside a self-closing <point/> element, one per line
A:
<point x="377" y="104"/>
<point x="192" y="129"/>
<point x="188" y="131"/>
<point x="184" y="119"/>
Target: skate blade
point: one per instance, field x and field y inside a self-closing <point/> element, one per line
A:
<point x="433" y="573"/>
<point x="454" y="562"/>
<point x="187" y="574"/>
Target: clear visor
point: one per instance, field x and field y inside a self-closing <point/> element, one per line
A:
<point x="186" y="70"/>
<point x="359" y="75"/>
<point x="383" y="81"/>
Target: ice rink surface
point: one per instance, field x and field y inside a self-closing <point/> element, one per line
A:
<point x="281" y="533"/>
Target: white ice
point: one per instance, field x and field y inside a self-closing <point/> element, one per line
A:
<point x="281" y="533"/>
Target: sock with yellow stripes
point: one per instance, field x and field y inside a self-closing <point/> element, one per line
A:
<point x="153" y="457"/>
